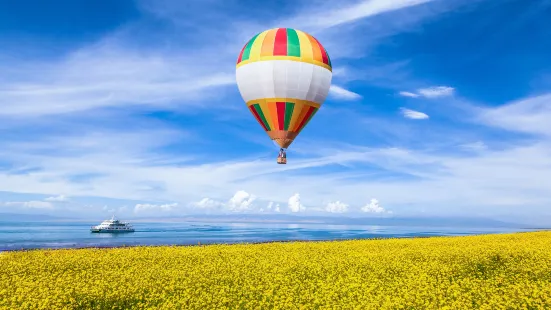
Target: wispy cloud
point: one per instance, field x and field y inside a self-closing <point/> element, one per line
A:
<point x="34" y="204"/>
<point x="344" y="94"/>
<point x="475" y="146"/>
<point x="346" y="13"/>
<point x="110" y="74"/>
<point x="60" y="198"/>
<point x="408" y="94"/>
<point x="413" y="114"/>
<point x="436" y="91"/>
<point x="208" y="204"/>
<point x="147" y="207"/>
<point x="530" y="115"/>
<point x="104" y="77"/>
<point x="430" y="92"/>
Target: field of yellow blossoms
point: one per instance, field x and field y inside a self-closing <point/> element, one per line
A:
<point x="511" y="271"/>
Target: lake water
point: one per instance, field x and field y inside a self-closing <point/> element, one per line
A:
<point x="31" y="235"/>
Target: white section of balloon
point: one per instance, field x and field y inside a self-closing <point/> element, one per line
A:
<point x="283" y="79"/>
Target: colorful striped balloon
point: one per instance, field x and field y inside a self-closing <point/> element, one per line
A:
<point x="284" y="76"/>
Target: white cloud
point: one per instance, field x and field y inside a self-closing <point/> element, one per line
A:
<point x="430" y="92"/>
<point x="273" y="207"/>
<point x="207" y="203"/>
<point x="60" y="198"/>
<point x="31" y="204"/>
<point x="241" y="201"/>
<point x="294" y="204"/>
<point x="344" y="94"/>
<point x="413" y="114"/>
<point x="408" y="94"/>
<point x="373" y="207"/>
<point x="436" y="91"/>
<point x="336" y="207"/>
<point x="141" y="207"/>
<point x="529" y="115"/>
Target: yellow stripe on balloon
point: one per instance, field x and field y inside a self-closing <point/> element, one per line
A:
<point x="256" y="48"/>
<point x="305" y="46"/>
<point x="295" y="101"/>
<point x="293" y="58"/>
<point x="296" y="113"/>
<point x="303" y="112"/>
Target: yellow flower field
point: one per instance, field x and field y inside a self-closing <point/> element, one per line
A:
<point x="511" y="271"/>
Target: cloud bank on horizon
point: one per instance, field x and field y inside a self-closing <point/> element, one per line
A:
<point x="435" y="109"/>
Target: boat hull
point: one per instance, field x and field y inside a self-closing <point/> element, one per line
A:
<point x="117" y="231"/>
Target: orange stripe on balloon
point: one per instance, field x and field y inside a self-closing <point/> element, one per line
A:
<point x="267" y="115"/>
<point x="322" y="50"/>
<point x="268" y="44"/>
<point x="316" y="51"/>
<point x="273" y="114"/>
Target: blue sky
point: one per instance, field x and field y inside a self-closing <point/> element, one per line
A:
<point x="437" y="108"/>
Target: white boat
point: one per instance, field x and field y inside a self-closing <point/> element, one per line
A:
<point x="112" y="226"/>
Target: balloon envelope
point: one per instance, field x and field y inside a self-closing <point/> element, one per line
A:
<point x="284" y="76"/>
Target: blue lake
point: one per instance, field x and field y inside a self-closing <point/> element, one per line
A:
<point x="30" y="235"/>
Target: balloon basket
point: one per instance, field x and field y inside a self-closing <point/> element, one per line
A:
<point x="282" y="160"/>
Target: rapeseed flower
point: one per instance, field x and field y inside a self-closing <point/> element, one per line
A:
<point x="509" y="271"/>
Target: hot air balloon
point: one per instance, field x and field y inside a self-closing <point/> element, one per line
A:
<point x="284" y="76"/>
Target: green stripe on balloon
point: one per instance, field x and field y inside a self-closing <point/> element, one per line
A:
<point x="247" y="51"/>
<point x="289" y="107"/>
<point x="261" y="114"/>
<point x="293" y="43"/>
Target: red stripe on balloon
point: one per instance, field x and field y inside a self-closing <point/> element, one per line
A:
<point x="241" y="54"/>
<point x="280" y="43"/>
<point x="281" y="114"/>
